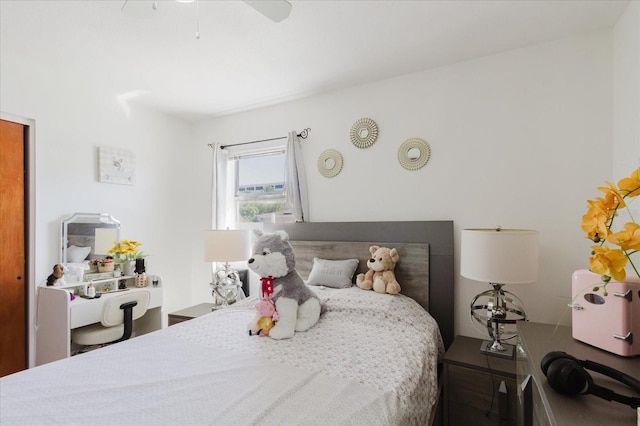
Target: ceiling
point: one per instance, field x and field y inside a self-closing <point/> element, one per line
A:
<point x="243" y="60"/>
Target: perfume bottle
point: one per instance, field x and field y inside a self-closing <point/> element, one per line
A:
<point x="141" y="276"/>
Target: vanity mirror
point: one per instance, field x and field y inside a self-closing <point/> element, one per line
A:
<point x="87" y="236"/>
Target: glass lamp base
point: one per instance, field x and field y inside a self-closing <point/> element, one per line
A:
<point x="503" y="351"/>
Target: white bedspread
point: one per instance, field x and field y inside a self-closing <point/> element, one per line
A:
<point x="371" y="359"/>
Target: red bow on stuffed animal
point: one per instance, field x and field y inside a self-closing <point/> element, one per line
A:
<point x="267" y="287"/>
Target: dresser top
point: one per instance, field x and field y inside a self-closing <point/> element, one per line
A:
<point x="539" y="339"/>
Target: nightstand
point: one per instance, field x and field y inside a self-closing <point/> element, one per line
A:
<point x="479" y="389"/>
<point x="190" y="313"/>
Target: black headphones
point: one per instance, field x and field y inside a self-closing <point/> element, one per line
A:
<point x="569" y="376"/>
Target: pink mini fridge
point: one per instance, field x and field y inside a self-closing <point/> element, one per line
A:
<point x="609" y="322"/>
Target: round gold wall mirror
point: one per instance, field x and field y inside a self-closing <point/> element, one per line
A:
<point x="330" y="163"/>
<point x="414" y="153"/>
<point x="364" y="133"/>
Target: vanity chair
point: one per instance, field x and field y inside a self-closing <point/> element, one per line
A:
<point x="117" y="320"/>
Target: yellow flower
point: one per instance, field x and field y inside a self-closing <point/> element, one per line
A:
<point x="597" y="223"/>
<point x="126" y="250"/>
<point x="630" y="186"/>
<point x="612" y="198"/>
<point x="608" y="262"/>
<point x="629" y="239"/>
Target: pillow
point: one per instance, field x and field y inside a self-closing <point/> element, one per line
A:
<point x="332" y="273"/>
<point x="77" y="254"/>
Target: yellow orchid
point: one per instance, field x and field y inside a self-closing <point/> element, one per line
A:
<point x="608" y="262"/>
<point x="630" y="186"/>
<point x="629" y="239"/>
<point x="597" y="223"/>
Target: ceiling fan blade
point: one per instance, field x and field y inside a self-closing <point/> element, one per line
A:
<point x="139" y="8"/>
<point x="276" y="10"/>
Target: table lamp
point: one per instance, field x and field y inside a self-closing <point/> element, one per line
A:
<point x="226" y="246"/>
<point x="498" y="256"/>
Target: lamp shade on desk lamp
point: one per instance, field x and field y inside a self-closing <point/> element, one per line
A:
<point x="228" y="245"/>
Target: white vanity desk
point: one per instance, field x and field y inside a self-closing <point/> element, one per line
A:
<point x="57" y="315"/>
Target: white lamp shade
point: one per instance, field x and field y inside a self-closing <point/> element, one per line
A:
<point x="505" y="256"/>
<point x="227" y="245"/>
<point x="105" y="238"/>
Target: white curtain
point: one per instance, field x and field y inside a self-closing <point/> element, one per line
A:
<point x="219" y="188"/>
<point x="295" y="180"/>
<point x="220" y="203"/>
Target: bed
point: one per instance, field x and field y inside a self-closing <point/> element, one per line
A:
<point x="371" y="358"/>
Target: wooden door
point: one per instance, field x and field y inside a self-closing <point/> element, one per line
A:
<point x="13" y="336"/>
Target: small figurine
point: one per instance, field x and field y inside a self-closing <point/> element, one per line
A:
<point x="56" y="278"/>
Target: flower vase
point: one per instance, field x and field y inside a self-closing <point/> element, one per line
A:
<point x="129" y="267"/>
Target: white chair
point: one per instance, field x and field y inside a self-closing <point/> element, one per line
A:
<point x="118" y="315"/>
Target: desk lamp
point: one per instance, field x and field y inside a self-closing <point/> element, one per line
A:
<point x="226" y="246"/>
<point x="498" y="256"/>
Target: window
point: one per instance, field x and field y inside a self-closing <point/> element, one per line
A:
<point x="259" y="191"/>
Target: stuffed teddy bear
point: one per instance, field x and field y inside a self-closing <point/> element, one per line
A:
<point x="274" y="261"/>
<point x="57" y="277"/>
<point x="380" y="276"/>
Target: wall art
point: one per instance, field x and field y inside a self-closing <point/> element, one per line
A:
<point x="116" y="165"/>
<point x="364" y="133"/>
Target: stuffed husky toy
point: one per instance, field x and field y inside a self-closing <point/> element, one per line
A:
<point x="298" y="307"/>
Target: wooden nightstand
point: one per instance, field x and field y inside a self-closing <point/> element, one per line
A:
<point x="190" y="313"/>
<point x="479" y="389"/>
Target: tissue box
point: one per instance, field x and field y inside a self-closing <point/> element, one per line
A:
<point x="609" y="322"/>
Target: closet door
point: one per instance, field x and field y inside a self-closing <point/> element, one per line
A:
<point x="13" y="336"/>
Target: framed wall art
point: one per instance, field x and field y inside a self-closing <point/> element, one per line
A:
<point x="116" y="165"/>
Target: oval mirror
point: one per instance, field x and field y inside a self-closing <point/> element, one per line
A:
<point x="413" y="153"/>
<point x="88" y="236"/>
<point x="329" y="163"/>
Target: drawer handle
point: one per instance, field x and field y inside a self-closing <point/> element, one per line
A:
<point x="627" y="337"/>
<point x="575" y="306"/>
<point x="626" y="295"/>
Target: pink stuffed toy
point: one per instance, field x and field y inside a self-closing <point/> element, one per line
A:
<point x="266" y="317"/>
<point x="266" y="310"/>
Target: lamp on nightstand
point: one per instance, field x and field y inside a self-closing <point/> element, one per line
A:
<point x="498" y="256"/>
<point x="226" y="246"/>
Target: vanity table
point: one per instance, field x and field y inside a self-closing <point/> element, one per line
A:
<point x="57" y="314"/>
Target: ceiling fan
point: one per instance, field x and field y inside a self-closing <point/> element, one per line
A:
<point x="276" y="10"/>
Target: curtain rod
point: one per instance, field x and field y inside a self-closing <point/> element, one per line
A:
<point x="303" y="134"/>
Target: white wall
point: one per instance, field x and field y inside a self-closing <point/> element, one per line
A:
<point x="626" y="91"/>
<point x="519" y="139"/>
<point x="75" y="114"/>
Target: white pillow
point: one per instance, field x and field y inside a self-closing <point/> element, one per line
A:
<point x="77" y="254"/>
<point x="332" y="273"/>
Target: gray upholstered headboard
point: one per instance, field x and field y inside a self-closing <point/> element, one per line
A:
<point x="438" y="235"/>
